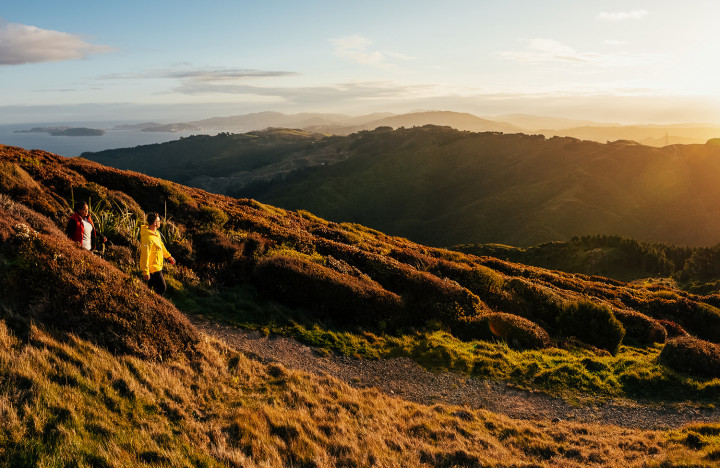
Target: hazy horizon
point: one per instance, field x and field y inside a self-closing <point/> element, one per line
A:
<point x="621" y="62"/>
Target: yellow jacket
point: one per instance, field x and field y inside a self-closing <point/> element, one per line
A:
<point x="152" y="251"/>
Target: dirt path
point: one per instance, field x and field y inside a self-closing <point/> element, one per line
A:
<point x="405" y="379"/>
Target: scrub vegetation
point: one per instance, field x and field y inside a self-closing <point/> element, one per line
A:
<point x="96" y="370"/>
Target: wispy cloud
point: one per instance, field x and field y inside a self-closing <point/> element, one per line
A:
<point x="544" y="50"/>
<point x="541" y="50"/>
<point x="21" y="44"/>
<point x="200" y="75"/>
<point x="359" y="49"/>
<point x="622" y="15"/>
<point x="339" y="95"/>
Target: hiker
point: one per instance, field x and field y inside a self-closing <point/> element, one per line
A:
<point x="152" y="253"/>
<point x="81" y="229"/>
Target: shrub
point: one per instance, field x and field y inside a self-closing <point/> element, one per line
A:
<point x="121" y="256"/>
<point x="534" y="302"/>
<point x="254" y="245"/>
<point x="34" y="219"/>
<point x="516" y="331"/>
<point x="427" y="296"/>
<point x="592" y="323"/>
<point x="300" y="282"/>
<point x="337" y="234"/>
<point x="672" y="329"/>
<point x="699" y="318"/>
<point x="485" y="282"/>
<point x="214" y="247"/>
<point x="693" y="356"/>
<point x="704" y="321"/>
<point x="641" y="328"/>
<point x="182" y="252"/>
<point x="212" y="218"/>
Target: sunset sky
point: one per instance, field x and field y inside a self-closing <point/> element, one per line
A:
<point x="652" y="61"/>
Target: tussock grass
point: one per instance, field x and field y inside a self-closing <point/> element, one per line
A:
<point x="65" y="401"/>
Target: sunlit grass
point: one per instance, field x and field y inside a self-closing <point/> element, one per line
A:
<point x="66" y="402"/>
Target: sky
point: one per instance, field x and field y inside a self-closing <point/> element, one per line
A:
<point x="630" y="61"/>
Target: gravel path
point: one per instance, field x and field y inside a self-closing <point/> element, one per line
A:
<point x="403" y="378"/>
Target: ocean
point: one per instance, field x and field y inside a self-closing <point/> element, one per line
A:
<point x="71" y="146"/>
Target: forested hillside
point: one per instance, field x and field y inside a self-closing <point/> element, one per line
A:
<point x="443" y="187"/>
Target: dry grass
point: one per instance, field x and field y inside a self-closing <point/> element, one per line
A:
<point x="65" y="401"/>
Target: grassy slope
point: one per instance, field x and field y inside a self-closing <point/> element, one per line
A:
<point x="69" y="391"/>
<point x="65" y="401"/>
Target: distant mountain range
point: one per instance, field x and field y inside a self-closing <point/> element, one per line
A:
<point x="339" y="124"/>
<point x="443" y="187"/>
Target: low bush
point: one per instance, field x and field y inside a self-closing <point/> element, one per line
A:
<point x="336" y="234"/>
<point x="214" y="247"/>
<point x="485" y="282"/>
<point x="516" y="331"/>
<point x="672" y="329"/>
<point x="640" y="328"/>
<point x="427" y="296"/>
<point x="212" y="218"/>
<point x="692" y="355"/>
<point x="182" y="252"/>
<point x="534" y="302"/>
<point x="348" y="299"/>
<point x="123" y="257"/>
<point x="704" y="321"/>
<point x="699" y="318"/>
<point x="592" y="323"/>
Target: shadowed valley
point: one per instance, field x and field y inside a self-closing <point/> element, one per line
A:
<point x="443" y="187"/>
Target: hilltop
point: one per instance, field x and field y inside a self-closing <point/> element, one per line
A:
<point x="339" y="124"/>
<point x="442" y="187"/>
<point x="95" y="369"/>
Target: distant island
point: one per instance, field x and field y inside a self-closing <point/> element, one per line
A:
<point x="65" y="131"/>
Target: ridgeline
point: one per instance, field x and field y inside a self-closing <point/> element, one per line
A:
<point x="442" y="187"/>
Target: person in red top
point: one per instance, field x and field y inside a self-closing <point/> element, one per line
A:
<point x="81" y="229"/>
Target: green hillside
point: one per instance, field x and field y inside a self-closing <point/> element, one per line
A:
<point x="95" y="370"/>
<point x="444" y="187"/>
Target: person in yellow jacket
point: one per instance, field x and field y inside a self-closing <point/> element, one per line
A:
<point x="152" y="253"/>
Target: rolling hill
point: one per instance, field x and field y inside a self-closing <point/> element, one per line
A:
<point x="339" y="124"/>
<point x="97" y="370"/>
<point x="456" y="120"/>
<point x="444" y="187"/>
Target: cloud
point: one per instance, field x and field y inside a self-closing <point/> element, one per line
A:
<point x="547" y="50"/>
<point x="541" y="50"/>
<point x="21" y="44"/>
<point x="348" y="94"/>
<point x="358" y="49"/>
<point x="622" y="15"/>
<point x="201" y="75"/>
